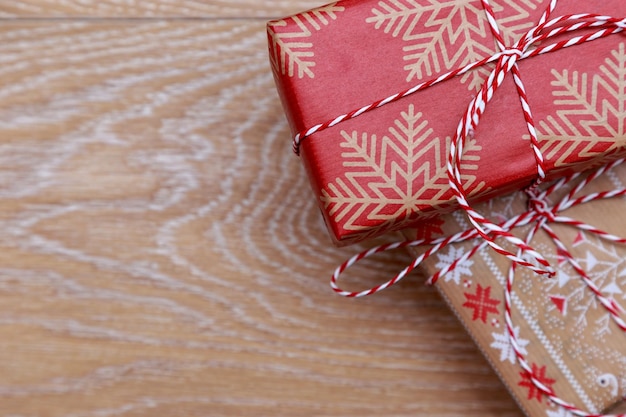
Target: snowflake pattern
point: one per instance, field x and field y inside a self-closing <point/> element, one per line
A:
<point x="562" y="320"/>
<point x="605" y="264"/>
<point x="608" y="273"/>
<point x="396" y="180"/>
<point x="444" y="35"/>
<point x="290" y="52"/>
<point x="462" y="268"/>
<point x="482" y="303"/>
<point x="579" y="131"/>
<point x="540" y="375"/>
<point x="502" y="342"/>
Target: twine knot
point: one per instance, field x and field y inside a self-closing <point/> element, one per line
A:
<point x="540" y="212"/>
<point x="514" y="52"/>
<point x="541" y="206"/>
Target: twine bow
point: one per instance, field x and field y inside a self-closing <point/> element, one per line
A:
<point x="540" y="213"/>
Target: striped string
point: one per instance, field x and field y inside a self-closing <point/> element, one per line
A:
<point x="540" y="213"/>
<point x="553" y="28"/>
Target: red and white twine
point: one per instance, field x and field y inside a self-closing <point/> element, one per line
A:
<point x="540" y="213"/>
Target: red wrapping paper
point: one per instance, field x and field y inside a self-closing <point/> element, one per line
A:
<point x="385" y="170"/>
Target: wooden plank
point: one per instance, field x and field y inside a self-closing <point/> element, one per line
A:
<point x="153" y="8"/>
<point x="161" y="253"/>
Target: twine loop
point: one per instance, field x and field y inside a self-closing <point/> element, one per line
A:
<point x="545" y="29"/>
<point x="540" y="213"/>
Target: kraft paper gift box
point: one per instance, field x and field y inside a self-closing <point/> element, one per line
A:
<point x="385" y="170"/>
<point x="570" y="340"/>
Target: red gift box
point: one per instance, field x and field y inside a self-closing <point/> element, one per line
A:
<point x="385" y="170"/>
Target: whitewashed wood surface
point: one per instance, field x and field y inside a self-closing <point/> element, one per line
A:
<point x="160" y="251"/>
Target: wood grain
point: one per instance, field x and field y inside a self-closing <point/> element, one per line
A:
<point x="153" y="8"/>
<point x="161" y="253"/>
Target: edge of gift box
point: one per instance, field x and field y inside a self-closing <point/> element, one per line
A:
<point x="299" y="102"/>
<point x="470" y="331"/>
<point x="570" y="370"/>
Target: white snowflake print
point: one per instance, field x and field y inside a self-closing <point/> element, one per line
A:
<point x="462" y="268"/>
<point x="503" y="343"/>
<point x="605" y="265"/>
<point x="569" y="298"/>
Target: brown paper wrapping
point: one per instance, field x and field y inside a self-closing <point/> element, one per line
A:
<point x="570" y="339"/>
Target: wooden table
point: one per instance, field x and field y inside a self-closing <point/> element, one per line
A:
<point x="161" y="253"/>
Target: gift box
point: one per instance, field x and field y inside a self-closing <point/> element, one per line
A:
<point x="572" y="344"/>
<point x="385" y="169"/>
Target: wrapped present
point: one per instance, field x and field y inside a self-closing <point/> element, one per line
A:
<point x="417" y="64"/>
<point x="568" y="330"/>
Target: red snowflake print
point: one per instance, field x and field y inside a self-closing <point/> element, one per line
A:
<point x="430" y="229"/>
<point x="482" y="303"/>
<point x="540" y="375"/>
